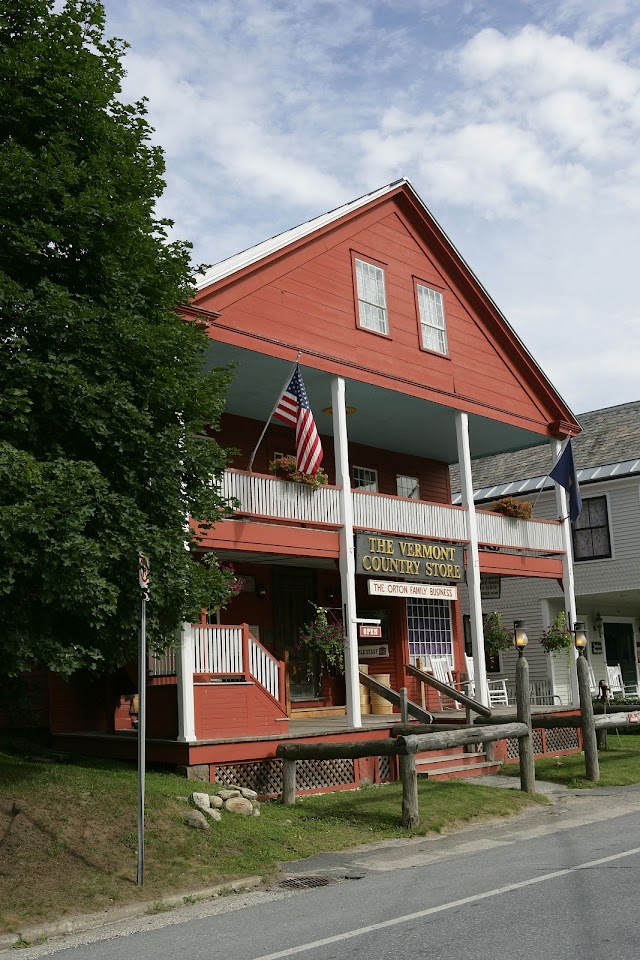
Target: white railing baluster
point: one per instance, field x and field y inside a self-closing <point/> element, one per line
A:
<point x="264" y="496"/>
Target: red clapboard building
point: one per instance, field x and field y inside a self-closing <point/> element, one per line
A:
<point x="409" y="366"/>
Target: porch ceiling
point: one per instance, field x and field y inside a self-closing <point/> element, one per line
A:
<point x="383" y="418"/>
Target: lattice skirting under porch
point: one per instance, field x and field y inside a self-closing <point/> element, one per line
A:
<point x="265" y="776"/>
<point x="546" y="742"/>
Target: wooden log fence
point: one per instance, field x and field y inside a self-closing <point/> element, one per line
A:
<point x="405" y="747"/>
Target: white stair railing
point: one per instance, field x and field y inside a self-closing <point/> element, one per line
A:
<point x="217" y="649"/>
<point x="264" y="668"/>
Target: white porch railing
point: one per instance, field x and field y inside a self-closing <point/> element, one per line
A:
<point x="225" y="651"/>
<point x="264" y="496"/>
<point x="375" y="511"/>
<point x="270" y="497"/>
<point x="163" y="666"/>
<point x="217" y="649"/>
<point x="232" y="651"/>
<point x="541" y="535"/>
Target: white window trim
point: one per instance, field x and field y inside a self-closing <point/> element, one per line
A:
<point x="367" y="470"/>
<point x="361" y="299"/>
<point x="426" y="324"/>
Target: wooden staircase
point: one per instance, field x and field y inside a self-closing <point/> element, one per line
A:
<point x="454" y="764"/>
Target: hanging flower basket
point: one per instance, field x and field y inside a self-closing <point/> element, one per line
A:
<point x="287" y="468"/>
<point x="327" y="639"/>
<point x="557" y="636"/>
<point x="497" y="639"/>
<point x="512" y="507"/>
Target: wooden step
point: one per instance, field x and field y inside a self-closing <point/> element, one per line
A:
<point x="460" y="771"/>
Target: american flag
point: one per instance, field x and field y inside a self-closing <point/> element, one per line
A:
<point x="293" y="408"/>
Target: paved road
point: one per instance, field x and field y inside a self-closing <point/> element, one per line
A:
<point x="559" y="883"/>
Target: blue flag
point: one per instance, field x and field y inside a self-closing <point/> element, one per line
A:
<point x="564" y="473"/>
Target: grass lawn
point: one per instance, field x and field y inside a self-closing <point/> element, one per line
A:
<point x="68" y="834"/>
<point x="619" y="765"/>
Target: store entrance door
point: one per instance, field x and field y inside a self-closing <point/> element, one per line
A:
<point x="294" y="591"/>
<point x="618" y="638"/>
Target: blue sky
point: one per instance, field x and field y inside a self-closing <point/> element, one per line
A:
<point x="517" y="122"/>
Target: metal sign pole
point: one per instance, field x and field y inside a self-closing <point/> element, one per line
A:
<point x="143" y="577"/>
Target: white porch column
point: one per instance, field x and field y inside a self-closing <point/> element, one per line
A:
<point x="473" y="559"/>
<point x="184" y="673"/>
<point x="568" y="584"/>
<point x="347" y="552"/>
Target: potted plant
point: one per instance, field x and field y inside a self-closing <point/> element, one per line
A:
<point x="512" y="507"/>
<point x="557" y="635"/>
<point x="287" y="468"/>
<point x="326" y="638"/>
<point x="496" y="637"/>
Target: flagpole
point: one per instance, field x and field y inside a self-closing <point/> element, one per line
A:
<point x="285" y="385"/>
<point x="553" y="466"/>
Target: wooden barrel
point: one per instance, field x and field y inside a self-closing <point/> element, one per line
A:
<point x="378" y="704"/>
<point x="365" y="703"/>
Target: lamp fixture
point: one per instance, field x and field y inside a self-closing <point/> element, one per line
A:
<point x="579" y="636"/>
<point x="520" y="637"/>
<point x="597" y="623"/>
<point x="261" y="591"/>
<point x="328" y="411"/>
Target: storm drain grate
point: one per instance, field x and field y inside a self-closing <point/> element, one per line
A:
<point x="303" y="883"/>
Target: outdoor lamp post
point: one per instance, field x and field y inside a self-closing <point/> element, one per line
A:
<point x="579" y="637"/>
<point x="520" y="637"/>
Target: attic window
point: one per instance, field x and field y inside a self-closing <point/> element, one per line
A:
<point x="432" y="325"/>
<point x="372" y="298"/>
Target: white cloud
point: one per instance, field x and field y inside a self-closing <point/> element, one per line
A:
<point x="518" y="123"/>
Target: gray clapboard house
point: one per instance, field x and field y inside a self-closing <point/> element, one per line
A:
<point x="606" y="542"/>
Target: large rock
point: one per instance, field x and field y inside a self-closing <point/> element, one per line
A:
<point x="216" y="801"/>
<point x="197" y="820"/>
<point x="249" y="794"/>
<point x="228" y="793"/>
<point x="239" y="805"/>
<point x="202" y="800"/>
<point x="214" y="814"/>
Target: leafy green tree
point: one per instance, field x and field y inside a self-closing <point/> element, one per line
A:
<point x="103" y="394"/>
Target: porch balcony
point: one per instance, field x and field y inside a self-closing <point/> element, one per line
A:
<point x="265" y="498"/>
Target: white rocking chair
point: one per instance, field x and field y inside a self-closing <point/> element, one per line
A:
<point x="497" y="689"/>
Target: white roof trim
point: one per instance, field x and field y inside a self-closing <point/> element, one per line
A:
<point x="244" y="259"/>
<point x="587" y="475"/>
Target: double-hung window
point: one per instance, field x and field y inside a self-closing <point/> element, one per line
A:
<point x="408" y="487"/>
<point x="372" y="298"/>
<point x="365" y="479"/>
<point x="591" y="539"/>
<point x="433" y="329"/>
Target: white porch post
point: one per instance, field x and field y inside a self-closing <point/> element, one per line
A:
<point x="347" y="552"/>
<point x="473" y="559"/>
<point x="568" y="583"/>
<point x="184" y="674"/>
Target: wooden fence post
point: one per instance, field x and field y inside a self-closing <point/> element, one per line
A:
<point x="404" y="706"/>
<point x="525" y="744"/>
<point x="589" y="742"/>
<point x="288" y="782"/>
<point x="409" y="779"/>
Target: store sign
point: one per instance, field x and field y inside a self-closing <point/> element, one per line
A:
<point x="373" y="651"/>
<point x="489" y="586"/>
<point x="408" y="559"/>
<point x="429" y="591"/>
<point x="366" y="630"/>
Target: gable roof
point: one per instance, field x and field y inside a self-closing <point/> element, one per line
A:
<point x="608" y="447"/>
<point x="224" y="268"/>
<point x="254" y="266"/>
